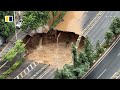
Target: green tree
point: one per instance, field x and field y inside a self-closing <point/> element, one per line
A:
<point x="115" y="26"/>
<point x="9" y="55"/>
<point x="82" y="58"/>
<point x="34" y="19"/>
<point x="62" y="13"/>
<point x="6" y="28"/>
<point x="19" y="47"/>
<point x="81" y="69"/>
<point x="117" y="31"/>
<point x="74" y="55"/>
<point x="64" y="73"/>
<point x="88" y="49"/>
<point x="108" y="37"/>
<point x="78" y="72"/>
<point x="54" y="13"/>
<point x="99" y="49"/>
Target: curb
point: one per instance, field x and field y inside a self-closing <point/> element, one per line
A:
<point x="101" y="58"/>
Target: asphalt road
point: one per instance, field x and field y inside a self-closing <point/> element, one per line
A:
<point x="20" y="35"/>
<point x="98" y="31"/>
<point x="47" y="74"/>
<point x="108" y="66"/>
<point x="33" y="72"/>
<point x="50" y="74"/>
<point x="88" y="17"/>
<point x="25" y="64"/>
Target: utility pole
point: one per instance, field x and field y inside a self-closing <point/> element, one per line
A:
<point x="78" y="41"/>
<point x="15" y="26"/>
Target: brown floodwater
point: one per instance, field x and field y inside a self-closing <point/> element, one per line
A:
<point x="48" y="51"/>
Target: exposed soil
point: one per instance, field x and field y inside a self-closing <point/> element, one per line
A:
<point x="44" y="48"/>
<point x="72" y="22"/>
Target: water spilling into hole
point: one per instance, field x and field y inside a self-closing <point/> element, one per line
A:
<point x="51" y="50"/>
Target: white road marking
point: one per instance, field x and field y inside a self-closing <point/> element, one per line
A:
<point x="118" y="54"/>
<point x="92" y="41"/>
<point x="101" y="73"/>
<point x="47" y="71"/>
<point x="117" y="77"/>
<point x="28" y="69"/>
<point x="110" y="16"/>
<point x="101" y="58"/>
<point x="114" y="75"/>
<point x="39" y="71"/>
<point x="93" y="22"/>
<point x="105" y="24"/>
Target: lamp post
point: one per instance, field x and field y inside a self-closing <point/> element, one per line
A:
<point x="78" y="41"/>
<point x="15" y="26"/>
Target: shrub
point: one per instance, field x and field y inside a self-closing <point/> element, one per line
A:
<point x="10" y="70"/>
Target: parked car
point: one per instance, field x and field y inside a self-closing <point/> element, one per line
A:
<point x="18" y="24"/>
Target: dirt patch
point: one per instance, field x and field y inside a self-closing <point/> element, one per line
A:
<point x="43" y="48"/>
<point x="72" y="22"/>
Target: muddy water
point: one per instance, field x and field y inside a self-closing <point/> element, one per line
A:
<point x="47" y="51"/>
<point x="72" y="22"/>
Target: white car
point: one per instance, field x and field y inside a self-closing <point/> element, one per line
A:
<point x="19" y="23"/>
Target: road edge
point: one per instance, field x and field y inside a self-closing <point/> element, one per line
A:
<point x="101" y="58"/>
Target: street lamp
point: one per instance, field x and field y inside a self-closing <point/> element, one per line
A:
<point x="15" y="26"/>
<point x="78" y="41"/>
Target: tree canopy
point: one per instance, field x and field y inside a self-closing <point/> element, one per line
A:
<point x="115" y="26"/>
<point x="6" y="28"/>
<point x="34" y="19"/>
<point x="108" y="36"/>
<point x="98" y="48"/>
<point x="88" y="49"/>
<point x="74" y="55"/>
<point x="19" y="47"/>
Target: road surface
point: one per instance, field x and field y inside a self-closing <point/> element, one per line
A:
<point x="102" y="26"/>
<point x="20" y="35"/>
<point x="109" y="66"/>
<point x="49" y="74"/>
<point x="25" y="64"/>
<point x="88" y="17"/>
